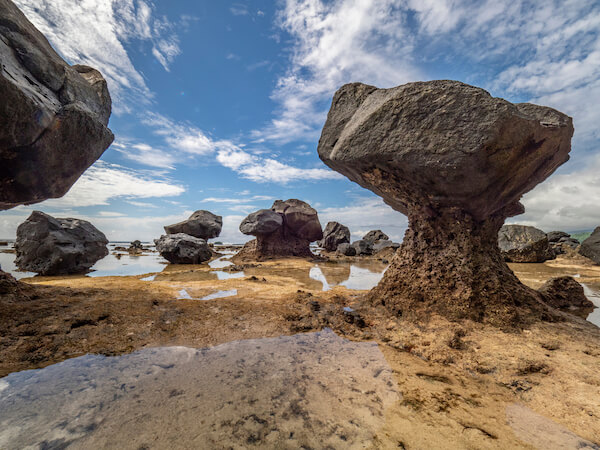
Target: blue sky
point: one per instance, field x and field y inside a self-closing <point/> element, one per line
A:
<point x="219" y="105"/>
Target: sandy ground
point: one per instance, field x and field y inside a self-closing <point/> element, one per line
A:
<point x="462" y="384"/>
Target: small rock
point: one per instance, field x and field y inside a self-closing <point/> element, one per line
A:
<point x="564" y="292"/>
<point x="524" y="244"/>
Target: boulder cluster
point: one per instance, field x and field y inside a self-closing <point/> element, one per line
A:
<point x="186" y="242"/>
<point x="336" y="237"/>
<point x="287" y="229"/>
<point x="456" y="161"/>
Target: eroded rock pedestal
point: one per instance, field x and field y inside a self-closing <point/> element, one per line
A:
<point x="456" y="161"/>
<point x="285" y="230"/>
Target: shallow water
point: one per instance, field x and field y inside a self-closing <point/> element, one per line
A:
<point x="313" y="390"/>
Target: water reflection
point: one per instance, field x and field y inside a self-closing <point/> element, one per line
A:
<point x="313" y="390"/>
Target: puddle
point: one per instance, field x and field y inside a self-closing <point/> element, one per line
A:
<point x="592" y="292"/>
<point x="220" y="294"/>
<point x="148" y="278"/>
<point x="541" y="432"/>
<point x="183" y="295"/>
<point x="221" y="262"/>
<point x="313" y="390"/>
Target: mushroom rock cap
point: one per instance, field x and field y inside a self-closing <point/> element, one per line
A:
<point x="443" y="144"/>
<point x="263" y="221"/>
<point x="299" y="218"/>
<point x="53" y="117"/>
<point x="201" y="224"/>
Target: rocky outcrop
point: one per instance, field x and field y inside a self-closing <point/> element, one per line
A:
<point x="346" y="250"/>
<point x="565" y="293"/>
<point x="334" y="234"/>
<point x="590" y="248"/>
<point x="375" y="235"/>
<point x="53" y="117"/>
<point x="202" y="224"/>
<point x="289" y="235"/>
<point x="181" y="248"/>
<point x="524" y="244"/>
<point x="561" y="242"/>
<point x="51" y="246"/>
<point x="382" y="244"/>
<point x="362" y="247"/>
<point x="456" y="161"/>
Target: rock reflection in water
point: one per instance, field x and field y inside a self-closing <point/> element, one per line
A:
<point x="312" y="390"/>
<point x="359" y="276"/>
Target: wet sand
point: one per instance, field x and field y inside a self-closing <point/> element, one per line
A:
<point x="459" y="385"/>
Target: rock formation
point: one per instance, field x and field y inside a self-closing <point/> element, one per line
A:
<point x="346" y="250"/>
<point x="565" y="293"/>
<point x="181" y="248"/>
<point x="202" y="224"/>
<point x="524" y="244"/>
<point x="382" y="244"/>
<point x="53" y="117"/>
<point x="590" y="248"/>
<point x="287" y="229"/>
<point x="334" y="234"/>
<point x="362" y="247"/>
<point x="375" y="235"/>
<point x="50" y="246"/>
<point x="561" y="242"/>
<point x="456" y="161"/>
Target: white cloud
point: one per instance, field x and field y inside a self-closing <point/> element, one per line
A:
<point x="103" y="182"/>
<point x="237" y="200"/>
<point x="239" y="9"/>
<point x="95" y="32"/>
<point x="144" y="154"/>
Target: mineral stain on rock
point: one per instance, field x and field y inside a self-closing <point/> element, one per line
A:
<point x="456" y="161"/>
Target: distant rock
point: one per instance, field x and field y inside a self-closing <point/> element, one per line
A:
<point x="136" y="244"/>
<point x="565" y="292"/>
<point x="261" y="222"/>
<point x="561" y="242"/>
<point x="346" y="249"/>
<point x="181" y="248"/>
<point x="362" y="247"/>
<point x="287" y="229"/>
<point x="334" y="234"/>
<point x="51" y="246"/>
<point x="524" y="244"/>
<point x="53" y="117"/>
<point x="382" y="243"/>
<point x="590" y="248"/>
<point x="202" y="224"/>
<point x="555" y="236"/>
<point x="456" y="161"/>
<point x="375" y="235"/>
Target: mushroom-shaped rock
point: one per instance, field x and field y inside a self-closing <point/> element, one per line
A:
<point x="456" y="161"/>
<point x="298" y="225"/>
<point x="51" y="246"/>
<point x="181" y="248"/>
<point x="53" y="117"/>
<point x="202" y="224"/>
<point x="590" y="248"/>
<point x="334" y="234"/>
<point x="524" y="244"/>
<point x="263" y="221"/>
<point x="375" y="235"/>
<point x="565" y="292"/>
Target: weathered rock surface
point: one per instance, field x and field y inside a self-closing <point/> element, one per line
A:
<point x="456" y="161"/>
<point x="202" y="224"/>
<point x="53" y="117"/>
<point x="590" y="248"/>
<point x="51" y="246"/>
<point x="555" y="236"/>
<point x="381" y="244"/>
<point x="565" y="292"/>
<point x="524" y="244"/>
<point x="362" y="247"/>
<point x="346" y="249"/>
<point x="334" y="234"/>
<point x="181" y="248"/>
<point x="298" y="226"/>
<point x="375" y="235"/>
<point x="561" y="242"/>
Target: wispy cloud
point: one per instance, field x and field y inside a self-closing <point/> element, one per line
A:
<point x="239" y="9"/>
<point x="96" y="33"/>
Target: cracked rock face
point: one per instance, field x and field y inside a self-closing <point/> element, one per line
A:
<point x="456" y="161"/>
<point x="52" y="246"/>
<point x="53" y="117"/>
<point x="287" y="229"/>
<point x="202" y="224"/>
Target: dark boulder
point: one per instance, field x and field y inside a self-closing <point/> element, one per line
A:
<point x="202" y="224"/>
<point x="346" y="249"/>
<point x="181" y="248"/>
<point x="381" y="244"/>
<point x="565" y="292"/>
<point x="456" y="161"/>
<point x="555" y="236"/>
<point x="590" y="248"/>
<point x="53" y="117"/>
<point x="334" y="234"/>
<point x="524" y="244"/>
<point x="375" y="235"/>
<point x="289" y="235"/>
<point x="51" y="246"/>
<point x="362" y="247"/>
